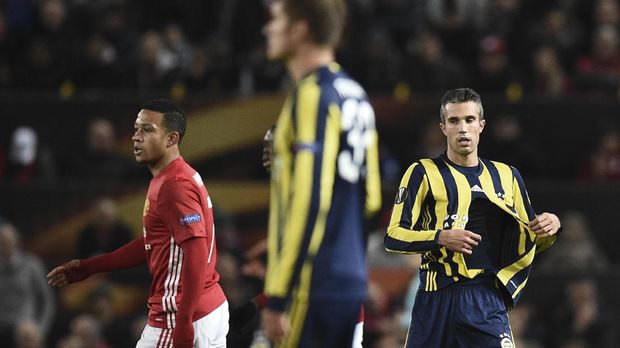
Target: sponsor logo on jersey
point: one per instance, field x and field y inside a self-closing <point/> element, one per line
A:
<point x="190" y="219"/>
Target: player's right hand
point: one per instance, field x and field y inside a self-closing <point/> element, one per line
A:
<point x="461" y="241"/>
<point x="276" y="325"/>
<point x="65" y="274"/>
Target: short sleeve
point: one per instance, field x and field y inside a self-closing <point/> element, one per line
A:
<point x="180" y="206"/>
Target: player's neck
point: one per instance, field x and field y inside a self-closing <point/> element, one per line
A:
<point x="470" y="160"/>
<point x="308" y="58"/>
<point x="163" y="162"/>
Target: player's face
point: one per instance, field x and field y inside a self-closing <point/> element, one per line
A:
<point x="462" y="126"/>
<point x="150" y="137"/>
<point x="278" y="33"/>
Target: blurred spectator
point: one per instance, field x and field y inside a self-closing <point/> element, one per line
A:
<point x="507" y="142"/>
<point x="26" y="161"/>
<point x="377" y="257"/>
<point x="457" y="21"/>
<point x="100" y="64"/>
<point x="562" y="29"/>
<point x="429" y="69"/>
<point x="28" y="335"/>
<point x="70" y="341"/>
<point x="600" y="70"/>
<point x="581" y="321"/>
<point x="377" y="313"/>
<point x="267" y="76"/>
<point x="390" y="169"/>
<point x="576" y="252"/>
<point x="5" y="70"/>
<point x="432" y="142"/>
<point x="104" y="233"/>
<point x="606" y="14"/>
<point x="380" y="52"/>
<point x="100" y="162"/>
<point x="255" y="261"/>
<point x="176" y="41"/>
<point x="388" y="341"/>
<point x="200" y="72"/>
<point x="604" y="162"/>
<point x="230" y="279"/>
<point x="51" y="49"/>
<point x="523" y="329"/>
<point x="158" y="66"/>
<point x="414" y="262"/>
<point x="495" y="73"/>
<point x="24" y="293"/>
<point x="115" y="329"/>
<point x="500" y="17"/>
<point x="85" y="333"/>
<point x="549" y="77"/>
<point x="137" y="327"/>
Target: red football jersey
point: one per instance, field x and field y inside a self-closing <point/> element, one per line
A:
<point x="177" y="208"/>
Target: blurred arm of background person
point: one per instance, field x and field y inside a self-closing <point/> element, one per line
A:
<point x="24" y="295"/>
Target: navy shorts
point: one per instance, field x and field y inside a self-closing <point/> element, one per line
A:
<point x="469" y="315"/>
<point x="322" y="323"/>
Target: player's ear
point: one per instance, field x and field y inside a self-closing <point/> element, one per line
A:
<point x="173" y="139"/>
<point x="442" y="125"/>
<point x="300" y="31"/>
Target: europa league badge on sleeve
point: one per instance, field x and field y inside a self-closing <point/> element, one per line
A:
<point x="402" y="195"/>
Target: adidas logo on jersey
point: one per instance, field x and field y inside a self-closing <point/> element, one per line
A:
<point x="476" y="188"/>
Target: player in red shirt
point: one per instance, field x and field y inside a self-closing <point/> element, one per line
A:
<point x="186" y="304"/>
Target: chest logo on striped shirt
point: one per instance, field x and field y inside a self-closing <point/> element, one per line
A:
<point x="190" y="219"/>
<point x="476" y="188"/>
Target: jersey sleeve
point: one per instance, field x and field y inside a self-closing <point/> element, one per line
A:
<point x="402" y="236"/>
<point x="525" y="210"/>
<point x="373" y="177"/>
<point x="180" y="207"/>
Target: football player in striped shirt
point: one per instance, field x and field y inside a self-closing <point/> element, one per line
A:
<point x="187" y="306"/>
<point x="324" y="183"/>
<point x="473" y="223"/>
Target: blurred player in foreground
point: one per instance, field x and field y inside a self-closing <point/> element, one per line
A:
<point x="187" y="306"/>
<point x="324" y="182"/>
<point x="473" y="222"/>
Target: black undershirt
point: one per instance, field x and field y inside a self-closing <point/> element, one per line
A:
<point x="489" y="221"/>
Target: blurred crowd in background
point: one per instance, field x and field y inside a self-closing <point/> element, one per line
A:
<point x="549" y="48"/>
<point x="399" y="48"/>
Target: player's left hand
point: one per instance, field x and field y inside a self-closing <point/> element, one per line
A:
<point x="183" y="334"/>
<point x="276" y="325"/>
<point x="545" y="225"/>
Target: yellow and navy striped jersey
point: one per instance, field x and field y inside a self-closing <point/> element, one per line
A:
<point x="436" y="194"/>
<point x="324" y="182"/>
